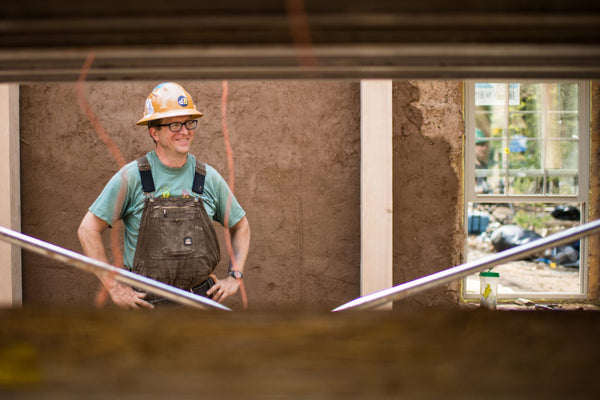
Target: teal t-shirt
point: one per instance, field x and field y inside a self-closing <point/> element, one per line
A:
<point x="123" y="197"/>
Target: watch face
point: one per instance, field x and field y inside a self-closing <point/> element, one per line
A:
<point x="236" y="274"/>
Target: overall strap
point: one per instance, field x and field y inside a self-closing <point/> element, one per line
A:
<point x="146" y="175"/>
<point x="148" y="181"/>
<point x="198" y="185"/>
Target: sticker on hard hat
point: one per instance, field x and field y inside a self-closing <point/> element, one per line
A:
<point x="183" y="101"/>
<point x="149" y="108"/>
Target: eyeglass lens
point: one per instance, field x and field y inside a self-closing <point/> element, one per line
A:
<point x="176" y="126"/>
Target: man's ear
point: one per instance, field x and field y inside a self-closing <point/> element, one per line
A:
<point x="153" y="132"/>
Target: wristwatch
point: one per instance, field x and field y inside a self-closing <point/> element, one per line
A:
<point x="235" y="274"/>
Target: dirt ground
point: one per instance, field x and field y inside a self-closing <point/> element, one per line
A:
<point x="523" y="276"/>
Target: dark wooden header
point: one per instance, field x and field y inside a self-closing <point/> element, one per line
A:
<point x="260" y="39"/>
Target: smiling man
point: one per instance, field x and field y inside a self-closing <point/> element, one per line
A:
<point x="167" y="201"/>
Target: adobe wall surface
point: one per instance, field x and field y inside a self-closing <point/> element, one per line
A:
<point x="428" y="158"/>
<point x="296" y="150"/>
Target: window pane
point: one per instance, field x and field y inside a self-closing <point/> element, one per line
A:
<point x="524" y="154"/>
<point x="530" y="98"/>
<point x="562" y="185"/>
<point x="525" y="125"/>
<point x="489" y="166"/>
<point x="562" y="154"/>
<point x="562" y="125"/>
<point x="489" y="143"/>
<point x="497" y="155"/>
<point x="495" y="95"/>
<point x="561" y="164"/>
<point x="490" y="125"/>
<point x="562" y="97"/>
<point x="523" y="184"/>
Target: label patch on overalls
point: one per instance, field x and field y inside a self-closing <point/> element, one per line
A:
<point x="187" y="241"/>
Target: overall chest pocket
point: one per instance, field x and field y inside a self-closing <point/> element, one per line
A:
<point x="180" y="232"/>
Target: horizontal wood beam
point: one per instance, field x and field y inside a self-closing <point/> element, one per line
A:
<point x="343" y="62"/>
<point x="233" y="39"/>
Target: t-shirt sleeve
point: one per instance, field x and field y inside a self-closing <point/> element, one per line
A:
<point x="111" y="203"/>
<point x="225" y="200"/>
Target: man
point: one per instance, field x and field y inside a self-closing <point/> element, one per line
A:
<point x="482" y="154"/>
<point x="167" y="201"/>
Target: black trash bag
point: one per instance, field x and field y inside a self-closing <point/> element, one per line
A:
<point x="509" y="236"/>
<point x="567" y="256"/>
<point x="566" y="213"/>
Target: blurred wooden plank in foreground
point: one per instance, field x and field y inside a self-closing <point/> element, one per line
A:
<point x="182" y="353"/>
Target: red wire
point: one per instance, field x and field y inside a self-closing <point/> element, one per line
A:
<point x="102" y="294"/>
<point x="231" y="183"/>
<point x="300" y="32"/>
<point x="85" y="106"/>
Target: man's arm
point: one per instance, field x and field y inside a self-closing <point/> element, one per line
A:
<point x="240" y="242"/>
<point x="90" y="236"/>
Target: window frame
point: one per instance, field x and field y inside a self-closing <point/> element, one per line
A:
<point x="582" y="197"/>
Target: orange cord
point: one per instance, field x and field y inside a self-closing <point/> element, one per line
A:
<point x="85" y="106"/>
<point x="231" y="182"/>
<point x="102" y="294"/>
<point x="300" y="32"/>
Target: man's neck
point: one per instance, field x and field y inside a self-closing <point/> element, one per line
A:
<point x="171" y="160"/>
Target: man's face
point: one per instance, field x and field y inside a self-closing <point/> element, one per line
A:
<point x="173" y="142"/>
<point x="481" y="152"/>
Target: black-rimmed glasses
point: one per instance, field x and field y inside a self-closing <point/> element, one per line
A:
<point x="176" y="126"/>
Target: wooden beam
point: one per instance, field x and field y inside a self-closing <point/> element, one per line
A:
<point x="594" y="241"/>
<point x="10" y="198"/>
<point x="44" y="41"/>
<point x="398" y="61"/>
<point x="376" y="185"/>
<point x="69" y="351"/>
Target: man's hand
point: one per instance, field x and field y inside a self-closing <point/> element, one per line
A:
<point x="223" y="288"/>
<point x="124" y="296"/>
<point x="90" y="236"/>
<point x="240" y="241"/>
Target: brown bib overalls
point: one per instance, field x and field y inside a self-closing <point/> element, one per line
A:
<point x="177" y="243"/>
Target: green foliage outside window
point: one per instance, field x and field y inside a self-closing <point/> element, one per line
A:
<point x="534" y="221"/>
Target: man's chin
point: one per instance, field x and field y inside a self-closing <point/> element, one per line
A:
<point x="183" y="149"/>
